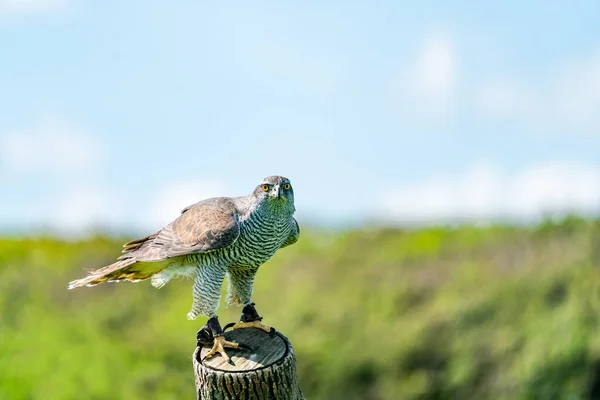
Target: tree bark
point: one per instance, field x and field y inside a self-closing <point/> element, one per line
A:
<point x="266" y="372"/>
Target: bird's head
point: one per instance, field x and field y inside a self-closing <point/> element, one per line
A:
<point x="275" y="191"/>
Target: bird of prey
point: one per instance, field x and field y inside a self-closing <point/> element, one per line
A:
<point x="213" y="238"/>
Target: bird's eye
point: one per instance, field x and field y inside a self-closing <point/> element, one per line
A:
<point x="287" y="186"/>
<point x="265" y="188"/>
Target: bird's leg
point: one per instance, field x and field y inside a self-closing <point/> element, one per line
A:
<point x="212" y="332"/>
<point x="251" y="319"/>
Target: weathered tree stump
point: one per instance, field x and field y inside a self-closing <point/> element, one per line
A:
<point x="266" y="372"/>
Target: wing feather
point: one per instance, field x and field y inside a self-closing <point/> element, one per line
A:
<point x="205" y="226"/>
<point x="293" y="236"/>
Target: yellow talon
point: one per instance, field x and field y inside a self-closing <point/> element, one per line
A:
<point x="254" y="324"/>
<point x="219" y="347"/>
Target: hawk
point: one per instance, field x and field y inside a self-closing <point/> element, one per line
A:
<point x="214" y="238"/>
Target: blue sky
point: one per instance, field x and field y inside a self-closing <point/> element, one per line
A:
<point x="118" y="114"/>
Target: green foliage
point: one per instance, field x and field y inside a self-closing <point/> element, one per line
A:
<point x="439" y="313"/>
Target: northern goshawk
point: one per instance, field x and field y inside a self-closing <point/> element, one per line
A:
<point x="209" y="240"/>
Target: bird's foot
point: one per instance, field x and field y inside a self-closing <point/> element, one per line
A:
<point x="250" y="319"/>
<point x="212" y="333"/>
<point x="219" y="347"/>
<point x="253" y="324"/>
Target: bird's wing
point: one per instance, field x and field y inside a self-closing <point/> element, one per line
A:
<point x="293" y="236"/>
<point x="205" y="226"/>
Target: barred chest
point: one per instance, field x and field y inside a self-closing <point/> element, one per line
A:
<point x="260" y="238"/>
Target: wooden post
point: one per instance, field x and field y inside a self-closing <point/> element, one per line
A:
<point x="266" y="372"/>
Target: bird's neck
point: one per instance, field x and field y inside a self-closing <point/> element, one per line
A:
<point x="274" y="210"/>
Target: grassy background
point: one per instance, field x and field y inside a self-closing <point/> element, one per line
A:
<point x="439" y="313"/>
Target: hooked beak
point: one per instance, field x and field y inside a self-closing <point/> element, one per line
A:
<point x="277" y="191"/>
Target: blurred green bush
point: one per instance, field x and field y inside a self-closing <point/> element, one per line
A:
<point x="437" y="313"/>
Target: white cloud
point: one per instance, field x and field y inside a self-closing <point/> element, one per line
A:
<point x="30" y="6"/>
<point x="52" y="145"/>
<point x="428" y="84"/>
<point x="568" y="100"/>
<point x="576" y="95"/>
<point x="434" y="69"/>
<point x="505" y="100"/>
<point x="174" y="197"/>
<point x="81" y="209"/>
<point x="484" y="194"/>
<point x="85" y="209"/>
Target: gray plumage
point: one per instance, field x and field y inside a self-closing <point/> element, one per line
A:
<point x="209" y="240"/>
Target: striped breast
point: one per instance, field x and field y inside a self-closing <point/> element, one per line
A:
<point x="260" y="237"/>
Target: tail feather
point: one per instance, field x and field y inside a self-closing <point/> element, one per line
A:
<point x="136" y="244"/>
<point x="126" y="269"/>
